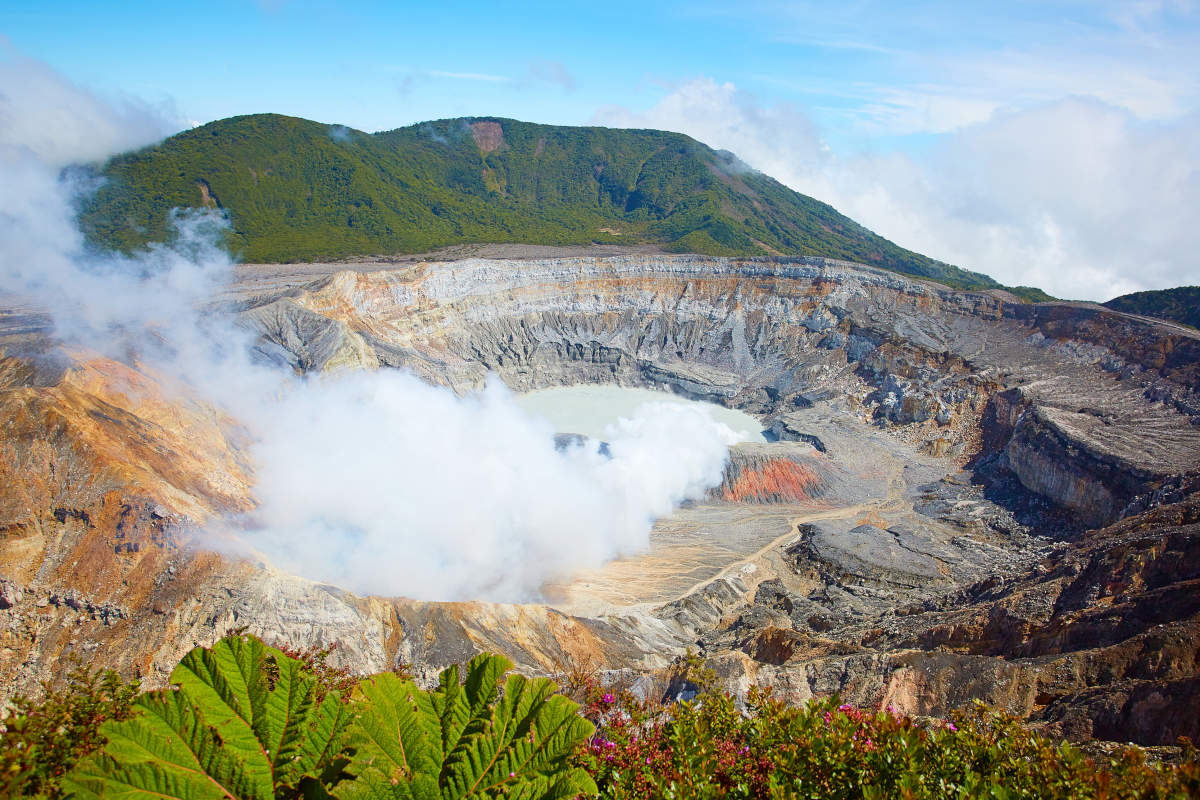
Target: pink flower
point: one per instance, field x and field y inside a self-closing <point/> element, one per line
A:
<point x="951" y="726"/>
<point x="608" y="757"/>
<point x="845" y="707"/>
<point x="608" y="699"/>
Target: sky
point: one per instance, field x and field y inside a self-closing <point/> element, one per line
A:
<point x="1051" y="143"/>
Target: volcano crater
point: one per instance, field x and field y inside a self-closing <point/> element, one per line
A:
<point x="944" y="472"/>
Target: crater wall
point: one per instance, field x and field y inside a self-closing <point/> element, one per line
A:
<point x="969" y="496"/>
<point x="1094" y="411"/>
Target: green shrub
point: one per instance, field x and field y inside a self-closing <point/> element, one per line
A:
<point x="242" y="720"/>
<point x="245" y="720"/>
<point x="44" y="739"/>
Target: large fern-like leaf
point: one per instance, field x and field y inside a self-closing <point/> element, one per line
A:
<point x="167" y="750"/>
<point x="452" y="710"/>
<point x="231" y="682"/>
<point x="244" y="722"/>
<point x="464" y="741"/>
<point x="397" y="732"/>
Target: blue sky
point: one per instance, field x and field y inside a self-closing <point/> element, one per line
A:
<point x="903" y="115"/>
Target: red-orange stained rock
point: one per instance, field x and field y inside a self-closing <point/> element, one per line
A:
<point x="781" y="479"/>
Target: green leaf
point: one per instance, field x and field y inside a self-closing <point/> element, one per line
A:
<point x="465" y="741"/>
<point x="231" y="683"/>
<point x="243" y="723"/>
<point x="324" y="741"/>
<point x="167" y="750"/>
<point x="396" y="734"/>
<point x="451" y="708"/>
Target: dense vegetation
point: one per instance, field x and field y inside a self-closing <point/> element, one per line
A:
<point x="297" y="190"/>
<point x="244" y="720"/>
<point x="1180" y="305"/>
<point x="1031" y="294"/>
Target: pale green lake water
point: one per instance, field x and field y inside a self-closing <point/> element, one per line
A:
<point x="588" y="408"/>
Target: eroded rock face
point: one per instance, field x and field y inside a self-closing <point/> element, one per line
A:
<point x="763" y="336"/>
<point x="916" y="537"/>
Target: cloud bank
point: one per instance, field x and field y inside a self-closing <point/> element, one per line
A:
<point x="373" y="480"/>
<point x="1076" y="196"/>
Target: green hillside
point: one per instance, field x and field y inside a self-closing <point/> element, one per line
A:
<point x="298" y="190"/>
<point x="1180" y="305"/>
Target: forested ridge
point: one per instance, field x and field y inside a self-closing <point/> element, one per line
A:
<point x="297" y="190"/>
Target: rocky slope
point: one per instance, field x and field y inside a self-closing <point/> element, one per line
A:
<point x="969" y="496"/>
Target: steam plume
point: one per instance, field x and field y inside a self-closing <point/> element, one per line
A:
<point x="384" y="484"/>
<point x="373" y="480"/>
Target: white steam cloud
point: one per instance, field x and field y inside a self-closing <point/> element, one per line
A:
<point x="59" y="123"/>
<point x="373" y="480"/>
<point x="382" y="483"/>
<point x="46" y="124"/>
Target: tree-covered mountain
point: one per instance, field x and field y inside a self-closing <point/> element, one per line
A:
<point x="298" y="190"/>
<point x="1177" y="305"/>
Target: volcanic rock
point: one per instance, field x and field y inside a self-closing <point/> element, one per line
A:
<point x="970" y="497"/>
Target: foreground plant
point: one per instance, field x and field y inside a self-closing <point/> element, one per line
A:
<point x="243" y="720"/>
<point x="827" y="751"/>
<point x="465" y="740"/>
<point x="247" y="721"/>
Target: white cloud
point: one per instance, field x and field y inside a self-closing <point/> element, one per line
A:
<point x="551" y="72"/>
<point x="1076" y="196"/>
<point x="721" y="115"/>
<point x="472" y="500"/>
<point x="60" y="123"/>
<point x="922" y="109"/>
<point x="935" y="66"/>
<point x="539" y="75"/>
<point x="46" y="123"/>
<point x="1152" y="84"/>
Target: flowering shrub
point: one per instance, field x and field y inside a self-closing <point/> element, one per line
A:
<point x="708" y="748"/>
